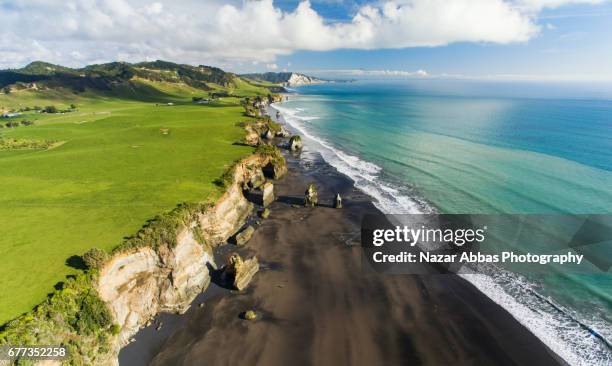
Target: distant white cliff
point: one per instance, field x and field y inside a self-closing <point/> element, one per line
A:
<point x="300" y="79"/>
<point x="285" y="78"/>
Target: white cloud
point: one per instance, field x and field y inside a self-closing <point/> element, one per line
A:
<point x="363" y="72"/>
<point x="537" y="5"/>
<point x="155" y="8"/>
<point x="272" y="67"/>
<point x="214" y="32"/>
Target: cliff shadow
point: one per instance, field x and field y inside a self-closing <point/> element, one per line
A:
<point x="253" y="196"/>
<point x="219" y="277"/>
<point x="291" y="200"/>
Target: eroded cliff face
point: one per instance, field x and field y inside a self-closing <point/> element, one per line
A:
<point x="139" y="284"/>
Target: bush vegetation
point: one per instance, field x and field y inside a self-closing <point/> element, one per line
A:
<point x="164" y="228"/>
<point x="72" y="316"/>
<point x="95" y="258"/>
<point x="24" y="144"/>
<point x="50" y="109"/>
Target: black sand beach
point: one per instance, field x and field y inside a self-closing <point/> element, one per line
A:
<point x="317" y="305"/>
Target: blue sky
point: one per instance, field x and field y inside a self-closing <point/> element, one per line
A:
<point x="575" y="41"/>
<point x="499" y="39"/>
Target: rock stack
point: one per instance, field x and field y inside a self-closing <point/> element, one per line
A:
<point x="338" y="201"/>
<point x="267" y="194"/>
<point x="268" y="135"/>
<point x="240" y="272"/>
<point x="311" y="197"/>
<point x="295" y="143"/>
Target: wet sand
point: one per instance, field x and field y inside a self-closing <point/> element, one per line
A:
<point x="317" y="305"/>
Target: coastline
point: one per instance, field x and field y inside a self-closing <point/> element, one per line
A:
<point x="317" y="305"/>
<point x="537" y="319"/>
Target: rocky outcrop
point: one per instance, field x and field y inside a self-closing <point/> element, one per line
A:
<point x="274" y="171"/>
<point x="338" y="201"/>
<point x="240" y="272"/>
<point x="295" y="143"/>
<point x="140" y="284"/>
<point x="245" y="235"/>
<point x="282" y="132"/>
<point x="311" y="197"/>
<point x="268" y="135"/>
<point x="252" y="137"/>
<point x="267" y="196"/>
<point x="229" y="214"/>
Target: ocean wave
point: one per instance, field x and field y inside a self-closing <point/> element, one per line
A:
<point x="575" y="342"/>
<point x="364" y="174"/>
<point x="572" y="339"/>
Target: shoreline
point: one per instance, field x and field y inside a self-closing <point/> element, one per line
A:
<point x="313" y="297"/>
<point x="490" y="289"/>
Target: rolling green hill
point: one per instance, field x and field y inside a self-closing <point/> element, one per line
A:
<point x="127" y="143"/>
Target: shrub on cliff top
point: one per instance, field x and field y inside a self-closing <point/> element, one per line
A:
<point x="163" y="229"/>
<point x="93" y="315"/>
<point x="73" y="316"/>
<point x="95" y="258"/>
<point x="227" y="178"/>
<point x="276" y="158"/>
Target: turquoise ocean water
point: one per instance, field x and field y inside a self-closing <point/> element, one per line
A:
<point x="482" y="147"/>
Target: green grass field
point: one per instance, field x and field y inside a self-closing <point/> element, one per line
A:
<point x="113" y="172"/>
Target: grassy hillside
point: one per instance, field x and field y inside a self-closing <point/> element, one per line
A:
<point x="123" y="156"/>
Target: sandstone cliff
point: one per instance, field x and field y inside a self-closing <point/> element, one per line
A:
<point x="141" y="282"/>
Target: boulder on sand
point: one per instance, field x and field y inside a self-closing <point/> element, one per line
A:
<point x="240" y="272"/>
<point x="245" y="235"/>
<point x="311" y="197"/>
<point x="249" y="315"/>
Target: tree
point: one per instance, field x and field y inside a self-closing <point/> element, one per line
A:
<point x="73" y="106"/>
<point x="50" y="109"/>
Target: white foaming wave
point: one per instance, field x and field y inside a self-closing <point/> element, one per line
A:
<point x="576" y="346"/>
<point x="363" y="173"/>
<point x="559" y="332"/>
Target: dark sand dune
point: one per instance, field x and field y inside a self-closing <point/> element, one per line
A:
<point x="318" y="306"/>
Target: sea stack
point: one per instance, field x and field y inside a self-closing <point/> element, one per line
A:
<point x="338" y="201"/>
<point x="239" y="271"/>
<point x="267" y="194"/>
<point x="311" y="197"/>
<point x="295" y="143"/>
